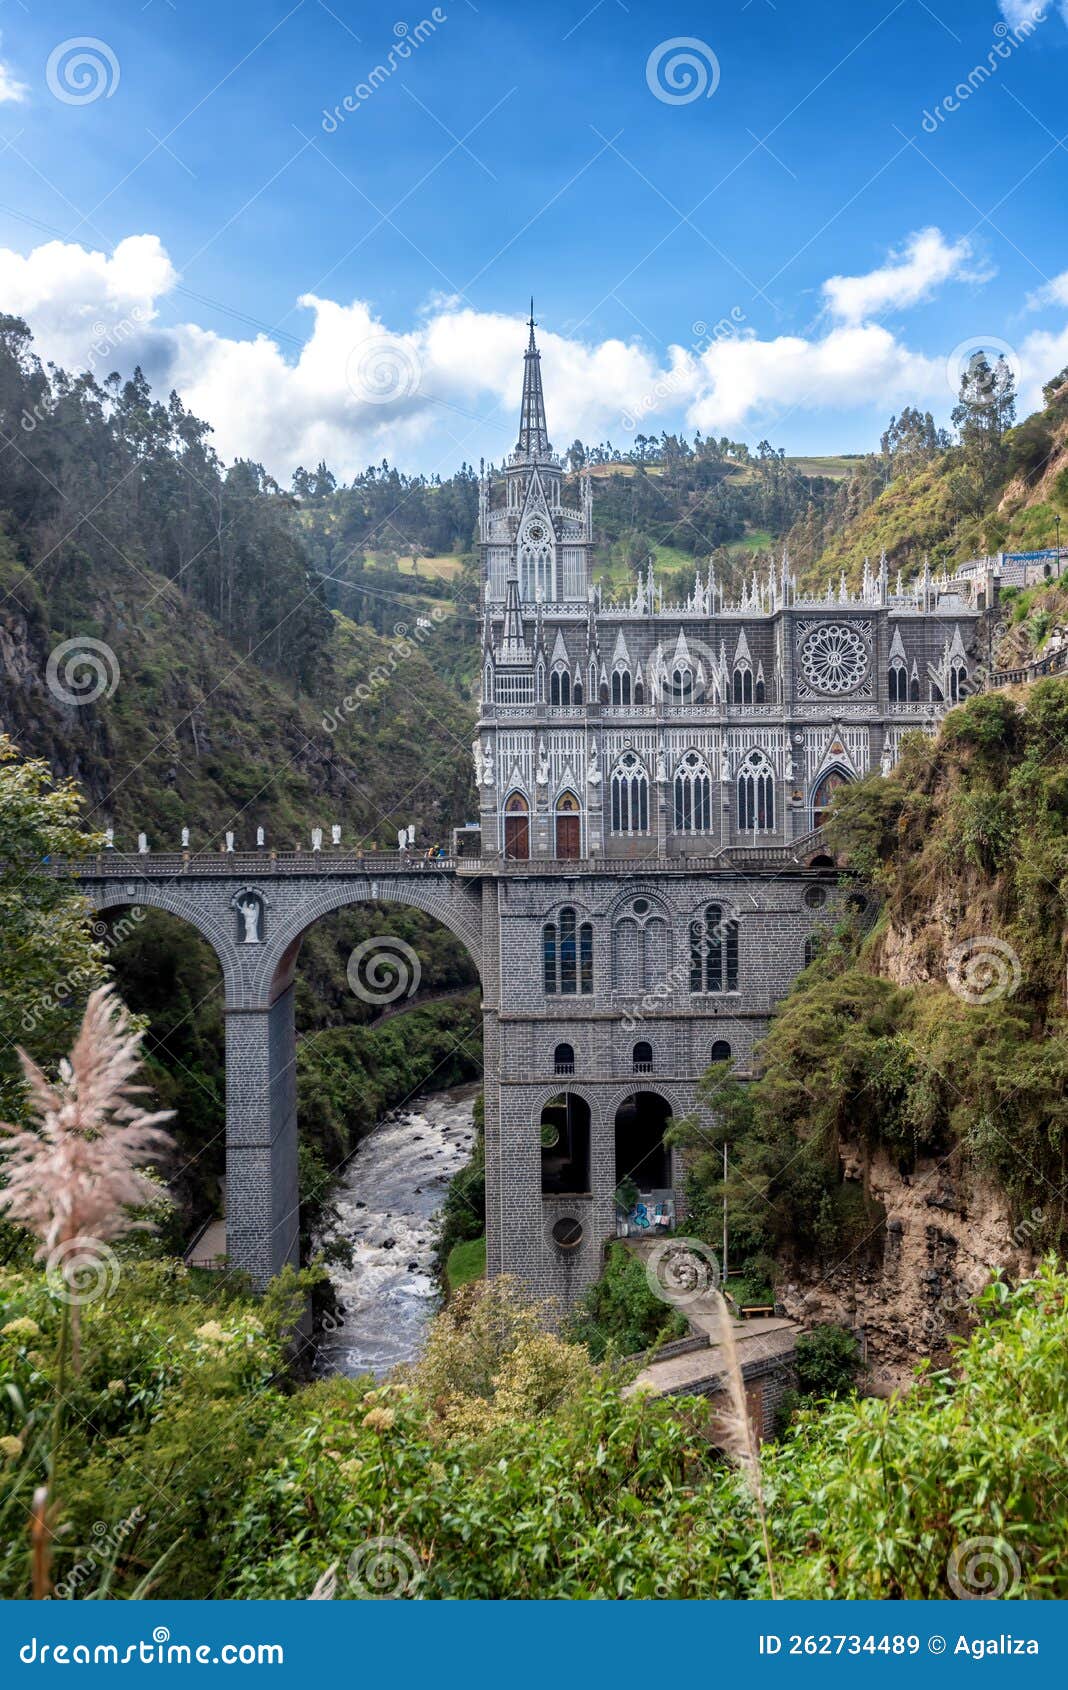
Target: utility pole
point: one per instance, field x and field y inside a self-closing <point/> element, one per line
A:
<point x="724" y="1211"/>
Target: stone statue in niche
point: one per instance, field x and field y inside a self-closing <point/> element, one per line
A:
<point x="476" y="752"/>
<point x="593" y="771"/>
<point x="251" y="912"/>
<point x="541" y="773"/>
<point x="661" y="766"/>
<point x="488" y="776"/>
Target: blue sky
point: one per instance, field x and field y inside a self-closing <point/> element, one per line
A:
<point x="687" y="255"/>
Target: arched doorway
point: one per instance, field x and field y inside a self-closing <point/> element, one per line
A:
<point x="568" y="827"/>
<point x="517" y="827"/>
<point x="824" y="791"/>
<point x="642" y="1157"/>
<point x="564" y="1130"/>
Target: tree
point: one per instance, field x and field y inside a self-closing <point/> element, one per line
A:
<point x="49" y="959"/>
<point x="985" y="410"/>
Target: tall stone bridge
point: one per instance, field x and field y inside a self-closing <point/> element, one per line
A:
<point x="626" y="1005"/>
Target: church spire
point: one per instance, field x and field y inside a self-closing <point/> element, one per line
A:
<point x="533" y="434"/>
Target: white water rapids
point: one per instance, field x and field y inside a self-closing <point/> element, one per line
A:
<point x="391" y="1190"/>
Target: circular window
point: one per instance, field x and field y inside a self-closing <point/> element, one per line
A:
<point x="834" y="658"/>
<point x="550" y="1135"/>
<point x="856" y="903"/>
<point x="641" y="906"/>
<point x="567" y="1232"/>
<point x="815" y="897"/>
<point x="535" y="533"/>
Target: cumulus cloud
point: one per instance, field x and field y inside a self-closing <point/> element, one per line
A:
<point x="445" y="386"/>
<point x="72" y="298"/>
<point x="1017" y="12"/>
<point x="12" y="91"/>
<point x="1054" y="293"/>
<point x="909" y="277"/>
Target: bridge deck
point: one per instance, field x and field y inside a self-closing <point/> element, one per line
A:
<point x="127" y="865"/>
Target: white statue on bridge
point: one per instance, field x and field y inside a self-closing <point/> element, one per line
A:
<point x="250" y="909"/>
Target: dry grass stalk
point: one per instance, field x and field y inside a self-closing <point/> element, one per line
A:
<point x="77" y="1174"/>
<point x="41" y="1544"/>
<point x="735" y="1427"/>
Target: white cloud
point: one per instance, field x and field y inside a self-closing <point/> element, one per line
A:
<point x="1054" y="293"/>
<point x="1016" y="12"/>
<point x="445" y="386"/>
<point x="12" y="91"/>
<point x="907" y="278"/>
<point x="74" y="299"/>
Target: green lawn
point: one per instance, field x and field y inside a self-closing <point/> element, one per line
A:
<point x="465" y="1262"/>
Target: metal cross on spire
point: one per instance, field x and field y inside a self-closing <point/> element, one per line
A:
<point x="533" y="433"/>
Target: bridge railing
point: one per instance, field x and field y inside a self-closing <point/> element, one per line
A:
<point x="116" y="864"/>
<point x="130" y="865"/>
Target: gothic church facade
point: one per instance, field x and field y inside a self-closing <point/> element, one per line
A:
<point x="652" y="779"/>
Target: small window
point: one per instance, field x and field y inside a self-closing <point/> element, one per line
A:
<point x="643" y="1057"/>
<point x="567" y="1233"/>
<point x="564" y="1059"/>
<point x="720" y="1052"/>
<point x="815" y="897"/>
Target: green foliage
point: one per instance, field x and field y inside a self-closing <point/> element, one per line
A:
<point x="462" y="1220"/>
<point x="465" y="1262"/>
<point x="619" y="1314"/>
<point x="968" y="836"/>
<point x="828" y="1360"/>
<point x="50" y="957"/>
<point x="508" y="1466"/>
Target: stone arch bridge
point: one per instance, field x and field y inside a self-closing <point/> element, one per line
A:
<point x="254" y="909"/>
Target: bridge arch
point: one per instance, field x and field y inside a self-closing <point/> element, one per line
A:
<point x="457" y="908"/>
<point x="107" y="898"/>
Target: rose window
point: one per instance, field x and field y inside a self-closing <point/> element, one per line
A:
<point x="834" y="658"/>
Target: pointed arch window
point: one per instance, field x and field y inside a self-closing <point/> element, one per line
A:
<point x="577" y="693"/>
<point x="639" y="693"/>
<point x="743" y="684"/>
<point x="567" y="955"/>
<point x="760" y="691"/>
<point x="713" y="951"/>
<point x="630" y="795"/>
<point x="914" y="689"/>
<point x="693" y="795"/>
<point x="958" y="683"/>
<point x="682" y="684"/>
<point x="756" y="795"/>
<point x="560" y="687"/>
<point x="621" y="688"/>
<point x="897" y="682"/>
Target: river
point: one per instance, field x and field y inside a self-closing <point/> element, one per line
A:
<point x="392" y="1188"/>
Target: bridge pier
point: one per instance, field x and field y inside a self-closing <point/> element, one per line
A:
<point x="262" y="1189"/>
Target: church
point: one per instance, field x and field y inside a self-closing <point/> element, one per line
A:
<point x="652" y="781"/>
